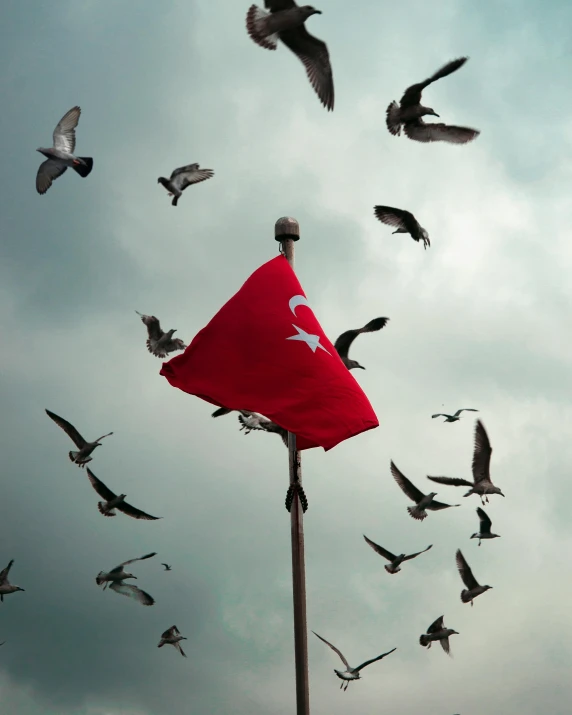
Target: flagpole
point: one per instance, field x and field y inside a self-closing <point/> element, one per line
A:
<point x="287" y="231"/>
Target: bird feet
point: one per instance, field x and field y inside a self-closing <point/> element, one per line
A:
<point x="293" y="490"/>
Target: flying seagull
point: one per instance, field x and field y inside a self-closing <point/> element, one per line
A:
<point x="395" y="561"/>
<point x="81" y="458"/>
<point x="182" y="177"/>
<point x="423" y="502"/>
<point x="344" y="342"/>
<point x="113" y="501"/>
<point x="254" y="421"/>
<point x="350" y="673"/>
<point x="438" y="632"/>
<point x="172" y="636"/>
<point x="61" y="155"/>
<point x="456" y="417"/>
<point x="405" y="222"/>
<point x="159" y="343"/>
<point x="285" y="21"/>
<point x="116" y="576"/>
<point x="410" y="111"/>
<point x="5" y="586"/>
<point x="473" y="588"/>
<point x="484" y="527"/>
<point x="167" y="567"/>
<point x="481" y="466"/>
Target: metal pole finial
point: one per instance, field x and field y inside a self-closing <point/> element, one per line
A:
<point x="287" y="228"/>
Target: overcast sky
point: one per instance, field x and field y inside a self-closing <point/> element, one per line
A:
<point x="478" y="320"/>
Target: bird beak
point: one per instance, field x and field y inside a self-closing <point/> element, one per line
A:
<point x="435" y="114"/>
<point x="361" y="367"/>
<point x="502" y="495"/>
<point x="317" y="12"/>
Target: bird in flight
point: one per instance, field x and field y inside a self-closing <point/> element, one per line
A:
<point x="61" y="154"/>
<point x="172" y="636"/>
<point x="182" y="177"/>
<point x="481" y="467"/>
<point x="456" y="417"/>
<point x="159" y="343"/>
<point x="423" y="502"/>
<point x="344" y="342"/>
<point x="409" y="112"/>
<point x="112" y="501"/>
<point x="405" y="222"/>
<point x="5" y="586"/>
<point x="254" y="421"/>
<point x="484" y="527"/>
<point x="473" y="589"/>
<point x="81" y="458"/>
<point x="350" y="673"/>
<point x="167" y="567"/>
<point x="116" y="576"/>
<point x="394" y="561"/>
<point x="438" y="632"/>
<point x="286" y="21"/>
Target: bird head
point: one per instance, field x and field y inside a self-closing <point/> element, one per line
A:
<point x="475" y="536"/>
<point x="487" y="587"/>
<point x="432" y="495"/>
<point x="455" y="633"/>
<point x="498" y="491"/>
<point x="162" y="180"/>
<point x="130" y="575"/>
<point x="352" y="364"/>
<point x="309" y="10"/>
<point x="122" y="496"/>
<point x="430" y="111"/>
<point x="170" y="332"/>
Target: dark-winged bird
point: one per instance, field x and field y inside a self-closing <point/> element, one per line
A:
<point x="253" y="421"/>
<point x="405" y="222"/>
<point x="350" y="673"/>
<point x="485" y="525"/>
<point x="5" y="586"/>
<point x="410" y="111"/>
<point x="167" y="567"/>
<point x="61" y="154"/>
<point x="182" y="177"/>
<point x="394" y="561"/>
<point x="285" y="21"/>
<point x="159" y="343"/>
<point x="81" y="458"/>
<point x="473" y="588"/>
<point x="343" y="343"/>
<point x="481" y="466"/>
<point x="456" y="417"/>
<point x="438" y="632"/>
<point x="423" y="502"/>
<point x="113" y="501"/>
<point x="116" y="576"/>
<point x="172" y="636"/>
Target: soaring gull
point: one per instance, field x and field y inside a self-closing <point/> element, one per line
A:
<point x="113" y="501"/>
<point x="285" y="21"/>
<point x="473" y="589"/>
<point x="395" y="561"/>
<point x="456" y="417"/>
<point x="481" y="466"/>
<point x="409" y="113"/>
<point x="344" y="342"/>
<point x="172" y="636"/>
<point x="350" y="673"/>
<point x="438" y="632"/>
<point x="254" y="421"/>
<point x="423" y="502"/>
<point x="182" y="177"/>
<point x="167" y="567"/>
<point x="61" y="155"/>
<point x="484" y="527"/>
<point x="116" y="576"/>
<point x="5" y="586"/>
<point x="81" y="458"/>
<point x="405" y="222"/>
<point x="160" y="343"/>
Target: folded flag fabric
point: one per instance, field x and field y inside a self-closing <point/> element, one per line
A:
<point x="265" y="351"/>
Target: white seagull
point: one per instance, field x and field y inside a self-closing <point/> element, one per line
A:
<point x="182" y="177"/>
<point x="5" y="586"/>
<point x="116" y="576"/>
<point x="159" y="343"/>
<point x="484" y="527"/>
<point x="254" y="421"/>
<point x="473" y="588"/>
<point x="172" y="636"/>
<point x="350" y="673"/>
<point x="423" y="502"/>
<point x="113" y="501"/>
<point x="438" y="632"/>
<point x="395" y="561"/>
<point x="81" y="458"/>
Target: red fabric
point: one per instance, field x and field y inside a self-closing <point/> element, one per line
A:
<point x="243" y="360"/>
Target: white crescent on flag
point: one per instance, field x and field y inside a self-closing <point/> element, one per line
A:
<point x="297" y="300"/>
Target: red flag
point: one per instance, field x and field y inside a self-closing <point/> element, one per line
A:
<point x="265" y="351"/>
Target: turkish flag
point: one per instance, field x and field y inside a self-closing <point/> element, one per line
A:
<point x="265" y="351"/>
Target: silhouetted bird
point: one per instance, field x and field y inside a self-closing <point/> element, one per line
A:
<point x="344" y="342"/>
<point x="438" y="632"/>
<point x="81" y="458"/>
<point x="182" y="177"/>
<point x="405" y="222"/>
<point x="423" y="502"/>
<point x="473" y="588"/>
<point x="160" y="343"/>
<point x="116" y="576"/>
<point x="113" y="501"/>
<point x="484" y="527"/>
<point x="172" y="636"/>
<point x="5" y="586"/>
<point x="395" y="561"/>
<point x="456" y="417"/>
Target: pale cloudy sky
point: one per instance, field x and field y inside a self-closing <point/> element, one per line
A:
<point x="478" y="320"/>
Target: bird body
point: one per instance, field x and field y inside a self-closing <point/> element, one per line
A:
<point x="61" y="155"/>
<point x="182" y="177"/>
<point x="5" y="586"/>
<point x="81" y="457"/>
<point x="394" y="561"/>
<point x="423" y="502"/>
<point x="172" y="636"/>
<point x="159" y="343"/>
<point x="405" y="222"/>
<point x="456" y="417"/>
<point x="117" y="575"/>
<point x="473" y="589"/>
<point x="253" y="421"/>
<point x="285" y="21"/>
<point x="167" y="567"/>
<point x="113" y="501"/>
<point x="345" y="340"/>
<point x="484" y="527"/>
<point x="438" y="632"/>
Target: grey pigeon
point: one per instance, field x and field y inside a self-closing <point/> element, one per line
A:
<point x="81" y="458"/>
<point x="172" y="636"/>
<point x="473" y="589"/>
<point x="343" y="343"/>
<point x="5" y="586"/>
<point x="394" y="561"/>
<point x="405" y="222"/>
<point x="456" y="417"/>
<point x="61" y="154"/>
<point x="351" y="673"/>
<point x="285" y="21"/>
<point x="481" y="466"/>
<point x="438" y="632"/>
<point x="423" y="502"/>
<point x="116" y="576"/>
<point x="182" y="177"/>
<point x="159" y="343"/>
<point x="113" y="501"/>
<point x="485" y="525"/>
<point x="409" y="113"/>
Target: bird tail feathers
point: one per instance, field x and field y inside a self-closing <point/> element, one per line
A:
<point x="73" y="458"/>
<point x="84" y="169"/>
<point x="393" y="119"/>
<point x="103" y="510"/>
<point x="174" y="201"/>
<point x="465" y="596"/>
<point x="423" y="640"/>
<point x="256" y="26"/>
<point x="417" y="513"/>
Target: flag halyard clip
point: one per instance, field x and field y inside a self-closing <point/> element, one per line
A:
<point x="293" y="490"/>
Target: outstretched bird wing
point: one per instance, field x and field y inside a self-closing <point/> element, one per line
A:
<point x="399" y="218"/>
<point x="154" y="331"/>
<point x="343" y="343"/>
<point x="333" y="647"/>
<point x="64" y="133"/>
<point x="277" y="5"/>
<point x="380" y="550"/>
<point x="437" y="625"/>
<point x="412" y="95"/>
<point x="465" y="571"/>
<point x="141" y="558"/>
<point x="445" y="645"/>
<point x="68" y="428"/>
<point x="4" y="573"/>
<point x="485" y="522"/>
<point x="130" y="510"/>
<point x="191" y="174"/>
<point x="464" y="409"/>
<point x="419" y="131"/>
<point x="48" y="172"/>
<point x="412" y="556"/>
<point x="367" y="662"/>
<point x="264" y="425"/>
<point x="406" y="486"/>
<point x="170" y="631"/>
<point x="438" y="505"/>
<point x="482" y="454"/>
<point x="181" y="651"/>
<point x="441" y="414"/>
<point x="127" y="589"/>
<point x="103" y="491"/>
<point x="221" y="411"/>
<point x="451" y="481"/>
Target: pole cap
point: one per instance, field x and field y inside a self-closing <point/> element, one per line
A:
<point x="287" y="228"/>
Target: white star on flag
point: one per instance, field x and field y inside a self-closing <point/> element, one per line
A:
<point x="312" y="341"/>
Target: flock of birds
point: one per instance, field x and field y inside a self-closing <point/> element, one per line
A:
<point x="284" y="21"/>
